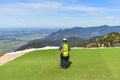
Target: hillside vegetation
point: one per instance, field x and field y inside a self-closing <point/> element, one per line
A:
<point x="109" y="40"/>
<point x="87" y="64"/>
<point x="73" y="42"/>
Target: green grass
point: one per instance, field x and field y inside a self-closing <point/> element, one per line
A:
<point x="87" y="64"/>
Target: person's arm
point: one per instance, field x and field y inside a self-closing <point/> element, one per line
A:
<point x="60" y="48"/>
<point x="69" y="49"/>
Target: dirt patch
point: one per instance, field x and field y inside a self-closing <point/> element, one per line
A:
<point x="1" y="54"/>
<point x="8" y="57"/>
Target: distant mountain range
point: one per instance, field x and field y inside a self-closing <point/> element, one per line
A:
<point x="78" y="37"/>
<point x="84" y="33"/>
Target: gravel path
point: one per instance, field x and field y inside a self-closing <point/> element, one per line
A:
<point x="10" y="56"/>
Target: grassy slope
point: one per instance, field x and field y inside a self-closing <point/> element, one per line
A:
<point x="112" y="59"/>
<point x="88" y="64"/>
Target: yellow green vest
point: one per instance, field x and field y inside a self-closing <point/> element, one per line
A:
<point x="65" y="49"/>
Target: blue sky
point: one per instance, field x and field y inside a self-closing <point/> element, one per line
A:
<point x="59" y="13"/>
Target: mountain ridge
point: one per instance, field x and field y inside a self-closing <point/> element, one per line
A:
<point x="75" y="40"/>
<point x="85" y="33"/>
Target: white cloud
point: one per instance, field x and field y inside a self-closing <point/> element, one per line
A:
<point x="110" y="17"/>
<point x="92" y="10"/>
<point x="47" y="7"/>
<point x="28" y="7"/>
<point x="84" y="9"/>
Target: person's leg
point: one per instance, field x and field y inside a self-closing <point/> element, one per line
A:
<point x="68" y="61"/>
<point x="61" y="60"/>
<point x="67" y="58"/>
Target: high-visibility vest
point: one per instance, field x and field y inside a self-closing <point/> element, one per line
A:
<point x="65" y="49"/>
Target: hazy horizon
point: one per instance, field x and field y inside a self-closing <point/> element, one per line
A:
<point x="59" y="13"/>
<point x="63" y="27"/>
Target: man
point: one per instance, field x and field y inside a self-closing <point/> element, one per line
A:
<point x="64" y="54"/>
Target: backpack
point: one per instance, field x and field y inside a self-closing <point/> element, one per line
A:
<point x="65" y="50"/>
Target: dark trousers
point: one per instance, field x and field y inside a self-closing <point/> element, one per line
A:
<point x="63" y="59"/>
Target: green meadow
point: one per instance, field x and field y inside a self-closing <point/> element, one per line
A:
<point x="87" y="64"/>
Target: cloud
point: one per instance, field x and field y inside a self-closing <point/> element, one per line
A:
<point x="112" y="17"/>
<point x="28" y="7"/>
<point x="47" y="7"/>
<point x="92" y="9"/>
<point x="82" y="8"/>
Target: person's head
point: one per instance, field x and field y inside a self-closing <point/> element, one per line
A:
<point x="64" y="40"/>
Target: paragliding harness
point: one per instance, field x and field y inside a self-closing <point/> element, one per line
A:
<point x="64" y="56"/>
